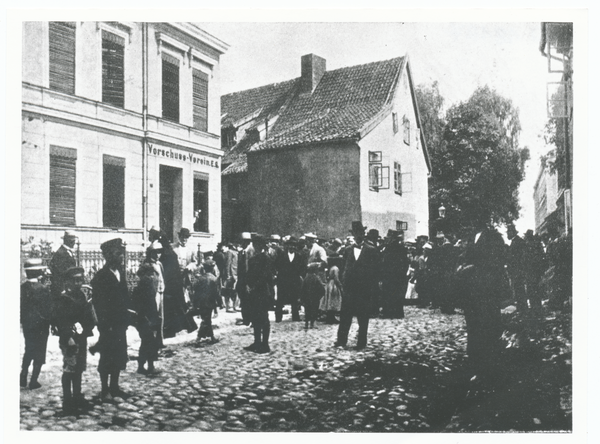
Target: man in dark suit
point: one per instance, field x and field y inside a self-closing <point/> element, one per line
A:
<point x="360" y="282"/>
<point x="111" y="302"/>
<point x="394" y="278"/>
<point x="62" y="260"/>
<point x="290" y="267"/>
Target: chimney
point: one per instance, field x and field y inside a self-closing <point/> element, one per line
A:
<point x="313" y="68"/>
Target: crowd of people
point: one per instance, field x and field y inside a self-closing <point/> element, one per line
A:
<point x="362" y="277"/>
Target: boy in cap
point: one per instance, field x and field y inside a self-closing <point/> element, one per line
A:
<point x="74" y="320"/>
<point x="111" y="302"/>
<point x="35" y="320"/>
<point x="147" y="303"/>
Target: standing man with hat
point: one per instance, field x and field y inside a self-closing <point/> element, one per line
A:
<point x="360" y="283"/>
<point x="62" y="260"/>
<point x="111" y="302"/>
<point x="187" y="261"/>
<point x="35" y="320"/>
<point x="394" y="275"/>
<point x="290" y="268"/>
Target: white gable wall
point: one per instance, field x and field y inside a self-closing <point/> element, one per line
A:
<point x="381" y="209"/>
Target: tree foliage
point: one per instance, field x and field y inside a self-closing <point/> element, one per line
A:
<point x="477" y="163"/>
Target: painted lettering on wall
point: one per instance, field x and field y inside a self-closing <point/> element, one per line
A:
<point x="183" y="156"/>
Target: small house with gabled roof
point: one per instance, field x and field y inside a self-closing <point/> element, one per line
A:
<point x="320" y="151"/>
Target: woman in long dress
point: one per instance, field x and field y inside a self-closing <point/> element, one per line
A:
<point x="331" y="304"/>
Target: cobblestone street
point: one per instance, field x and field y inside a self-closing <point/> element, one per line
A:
<point x="304" y="384"/>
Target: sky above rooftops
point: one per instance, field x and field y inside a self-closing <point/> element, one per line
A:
<point x="459" y="56"/>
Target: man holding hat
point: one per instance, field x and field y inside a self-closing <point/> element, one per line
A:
<point x="62" y="260"/>
<point x="74" y="319"/>
<point x="111" y="302"/>
<point x="360" y="282"/>
<point x="35" y="320"/>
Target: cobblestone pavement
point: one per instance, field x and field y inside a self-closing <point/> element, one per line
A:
<point x="303" y="384"/>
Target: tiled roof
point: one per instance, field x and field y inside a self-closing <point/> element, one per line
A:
<point x="343" y="102"/>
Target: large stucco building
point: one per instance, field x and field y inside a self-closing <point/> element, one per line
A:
<point x="120" y="131"/>
<point x="320" y="151"/>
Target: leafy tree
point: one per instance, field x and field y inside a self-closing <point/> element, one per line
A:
<point x="477" y="161"/>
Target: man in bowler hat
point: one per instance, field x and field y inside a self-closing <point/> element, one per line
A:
<point x="360" y="282"/>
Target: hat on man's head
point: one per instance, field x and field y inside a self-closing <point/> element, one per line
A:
<point x="291" y="241"/>
<point x="184" y="232"/>
<point x="34" y="264"/>
<point x="155" y="228"/>
<point x="155" y="246"/>
<point x="310" y="236"/>
<point x="259" y="240"/>
<point x="373" y="234"/>
<point x="391" y="234"/>
<point x="69" y="233"/>
<point x="275" y="237"/>
<point x="111" y="245"/>
<point x="246" y="236"/>
<point x="73" y="271"/>
<point x="358" y="226"/>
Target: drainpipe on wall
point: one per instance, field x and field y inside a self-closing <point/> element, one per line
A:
<point x="145" y="130"/>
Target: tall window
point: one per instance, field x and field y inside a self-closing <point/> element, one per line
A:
<point x="113" y="194"/>
<point x="62" y="185"/>
<point x="113" y="79"/>
<point x="379" y="175"/>
<point x="397" y="178"/>
<point x="200" y="202"/>
<point x="200" y="100"/>
<point x="62" y="56"/>
<point x="406" y="125"/>
<point x="170" y="88"/>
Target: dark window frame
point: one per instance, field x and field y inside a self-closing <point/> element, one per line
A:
<point x="200" y="85"/>
<point x="170" y="89"/>
<point x="113" y="192"/>
<point x="62" y="186"/>
<point x="62" y="49"/>
<point x="113" y="69"/>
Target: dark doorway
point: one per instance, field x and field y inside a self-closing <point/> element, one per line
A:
<point x="170" y="199"/>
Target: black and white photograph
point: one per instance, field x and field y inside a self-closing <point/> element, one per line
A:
<point x="324" y="221"/>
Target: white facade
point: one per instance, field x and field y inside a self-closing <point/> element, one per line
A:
<point x="145" y="144"/>
<point x="381" y="208"/>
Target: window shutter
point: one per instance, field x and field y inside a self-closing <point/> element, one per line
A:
<point x="113" y="62"/>
<point x="113" y="196"/>
<point x="170" y="88"/>
<point x="407" y="182"/>
<point x="384" y="178"/>
<point x="62" y="185"/>
<point x="62" y="56"/>
<point x="200" y="100"/>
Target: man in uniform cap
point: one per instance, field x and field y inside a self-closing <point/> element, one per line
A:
<point x="63" y="259"/>
<point x="35" y="319"/>
<point x="111" y="302"/>
<point x="360" y="283"/>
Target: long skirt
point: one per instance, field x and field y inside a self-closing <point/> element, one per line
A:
<point x="332" y="301"/>
<point x="113" y="350"/>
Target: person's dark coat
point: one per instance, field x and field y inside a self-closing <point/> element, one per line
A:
<point x="259" y="279"/>
<point x="360" y="279"/>
<point x="205" y="295"/>
<point x="174" y="299"/>
<point x="394" y="278"/>
<point x="517" y="255"/>
<point x="61" y="261"/>
<point x="111" y="302"/>
<point x="35" y="319"/>
<point x="311" y="294"/>
<point x="289" y="277"/>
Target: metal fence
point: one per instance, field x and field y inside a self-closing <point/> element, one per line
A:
<point x="91" y="261"/>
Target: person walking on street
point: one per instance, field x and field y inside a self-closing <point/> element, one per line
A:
<point x="259" y="281"/>
<point x="111" y="303"/>
<point x="62" y="260"/>
<point x="35" y="321"/>
<point x="74" y="320"/>
<point x="360" y="282"/>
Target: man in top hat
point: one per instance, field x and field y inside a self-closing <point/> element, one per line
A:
<point x="394" y="277"/>
<point x="360" y="281"/>
<point x="111" y="303"/>
<point x="35" y="320"/>
<point x="290" y="267"/>
<point x="62" y="260"/>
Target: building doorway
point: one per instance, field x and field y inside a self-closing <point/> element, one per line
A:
<point x="170" y="185"/>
